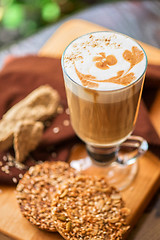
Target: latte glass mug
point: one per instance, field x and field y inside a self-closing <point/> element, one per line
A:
<point x="104" y="120"/>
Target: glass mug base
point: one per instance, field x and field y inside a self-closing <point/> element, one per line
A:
<point x="119" y="165"/>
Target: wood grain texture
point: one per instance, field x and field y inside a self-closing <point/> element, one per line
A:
<point x="75" y="28"/>
<point x="4" y="237"/>
<point x="13" y="224"/>
<point x="137" y="196"/>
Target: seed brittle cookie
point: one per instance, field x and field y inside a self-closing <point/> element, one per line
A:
<point x="35" y="189"/>
<point x="88" y="208"/>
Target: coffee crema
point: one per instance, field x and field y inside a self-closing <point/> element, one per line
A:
<point x="104" y="60"/>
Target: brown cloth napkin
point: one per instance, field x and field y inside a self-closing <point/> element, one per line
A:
<point x="24" y="74"/>
<point x="153" y="76"/>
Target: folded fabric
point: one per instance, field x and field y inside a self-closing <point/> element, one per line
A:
<point x="24" y="74"/>
<point x="153" y="76"/>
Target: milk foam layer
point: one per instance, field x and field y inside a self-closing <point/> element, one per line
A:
<point x="83" y="57"/>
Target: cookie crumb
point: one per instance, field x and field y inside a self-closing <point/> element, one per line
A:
<point x="14" y="180"/>
<point x="67" y="111"/>
<point x="5" y="158"/>
<point x="60" y="109"/>
<point x="66" y="123"/>
<point x="56" y="130"/>
<point x="54" y="154"/>
<point x="20" y="175"/>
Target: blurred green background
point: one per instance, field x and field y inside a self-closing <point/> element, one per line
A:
<point x="21" y="18"/>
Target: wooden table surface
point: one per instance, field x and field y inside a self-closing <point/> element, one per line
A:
<point x="140" y="20"/>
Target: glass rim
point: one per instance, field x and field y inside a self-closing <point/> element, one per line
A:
<point x="108" y="90"/>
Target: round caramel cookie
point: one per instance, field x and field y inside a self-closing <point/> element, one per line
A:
<point x="35" y="189"/>
<point x="88" y="208"/>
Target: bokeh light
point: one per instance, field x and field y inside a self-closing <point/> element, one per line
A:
<point x="13" y="16"/>
<point x="21" y="18"/>
<point x="51" y="12"/>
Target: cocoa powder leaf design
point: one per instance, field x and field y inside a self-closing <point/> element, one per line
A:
<point x="127" y="55"/>
<point x="91" y="81"/>
<point x="135" y="56"/>
<point x="87" y="79"/>
<point x="123" y="80"/>
<point x="138" y="54"/>
<point x="104" y="62"/>
<point x="120" y="78"/>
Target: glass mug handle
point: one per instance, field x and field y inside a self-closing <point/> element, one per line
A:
<point x="131" y="149"/>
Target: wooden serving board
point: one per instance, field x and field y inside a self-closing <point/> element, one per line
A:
<point x="137" y="196"/>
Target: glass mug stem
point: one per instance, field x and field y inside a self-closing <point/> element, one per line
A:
<point x="125" y="154"/>
<point x="102" y="156"/>
<point x="119" y="164"/>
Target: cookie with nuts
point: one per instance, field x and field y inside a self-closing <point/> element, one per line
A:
<point x="39" y="105"/>
<point x="86" y="207"/>
<point x="35" y="189"/>
<point x="24" y="131"/>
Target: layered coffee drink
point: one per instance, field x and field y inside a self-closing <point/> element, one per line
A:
<point x="104" y="74"/>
